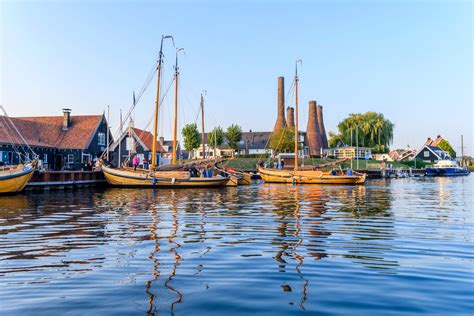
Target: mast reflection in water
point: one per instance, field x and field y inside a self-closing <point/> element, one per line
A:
<point x="269" y="249"/>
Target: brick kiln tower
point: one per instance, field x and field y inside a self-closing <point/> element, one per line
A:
<point x="322" y="130"/>
<point x="281" y="122"/>
<point x="313" y="131"/>
<point x="290" y="116"/>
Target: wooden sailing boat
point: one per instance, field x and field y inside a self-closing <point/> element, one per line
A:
<point x="13" y="179"/>
<point x="158" y="178"/>
<point x="300" y="175"/>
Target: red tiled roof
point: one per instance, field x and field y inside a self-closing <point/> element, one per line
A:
<point x="437" y="141"/>
<point x="147" y="139"/>
<point x="47" y="131"/>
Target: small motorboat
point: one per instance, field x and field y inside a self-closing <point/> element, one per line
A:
<point x="446" y="168"/>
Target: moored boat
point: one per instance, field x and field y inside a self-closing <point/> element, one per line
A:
<point x="145" y="178"/>
<point x="308" y="177"/>
<point x="446" y="168"/>
<point x="154" y="177"/>
<point x="14" y="178"/>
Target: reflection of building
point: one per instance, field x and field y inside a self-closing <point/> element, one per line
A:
<point x="62" y="142"/>
<point x="347" y="152"/>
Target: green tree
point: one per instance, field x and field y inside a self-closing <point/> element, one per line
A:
<point x="216" y="138"/>
<point x="191" y="137"/>
<point x="282" y="140"/>
<point x="373" y="131"/>
<point x="446" y="146"/>
<point x="233" y="136"/>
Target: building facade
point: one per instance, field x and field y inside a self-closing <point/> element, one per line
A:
<point x="347" y="152"/>
<point x="64" y="142"/>
<point x="135" y="141"/>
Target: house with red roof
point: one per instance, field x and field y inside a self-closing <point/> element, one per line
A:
<point x="65" y="142"/>
<point x="134" y="141"/>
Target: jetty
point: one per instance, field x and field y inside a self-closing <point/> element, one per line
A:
<point x="59" y="180"/>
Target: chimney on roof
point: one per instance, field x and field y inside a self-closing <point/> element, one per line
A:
<point x="313" y="133"/>
<point x="280" y="122"/>
<point x="162" y="140"/>
<point x="290" y="116"/>
<point x="322" y="130"/>
<point x="66" y="119"/>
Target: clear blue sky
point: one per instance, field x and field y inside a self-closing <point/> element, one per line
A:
<point x="410" y="60"/>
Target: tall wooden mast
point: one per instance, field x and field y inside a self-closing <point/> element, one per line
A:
<point x="157" y="102"/>
<point x="202" y="134"/>
<point x="175" y="129"/>
<point x="296" y="115"/>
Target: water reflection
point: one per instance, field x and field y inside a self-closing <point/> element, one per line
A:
<point x="172" y="251"/>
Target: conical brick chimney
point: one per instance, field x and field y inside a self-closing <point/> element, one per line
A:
<point x="290" y="116"/>
<point x="280" y="122"/>
<point x="313" y="134"/>
<point x="322" y="130"/>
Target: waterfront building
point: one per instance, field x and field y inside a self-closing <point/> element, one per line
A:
<point x="167" y="146"/>
<point x="135" y="141"/>
<point x="64" y="142"/>
<point x="430" y="153"/>
<point x="347" y="152"/>
<point x="254" y="143"/>
<point x="382" y="157"/>
<point x="402" y="154"/>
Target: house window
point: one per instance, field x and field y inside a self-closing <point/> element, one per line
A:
<point x="70" y="159"/>
<point x="101" y="140"/>
<point x="426" y="154"/>
<point x="45" y="158"/>
<point x="85" y="158"/>
<point x="129" y="143"/>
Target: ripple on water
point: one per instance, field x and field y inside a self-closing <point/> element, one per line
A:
<point x="390" y="247"/>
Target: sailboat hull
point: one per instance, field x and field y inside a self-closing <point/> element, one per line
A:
<point x="118" y="177"/>
<point x="307" y="177"/>
<point x="15" y="180"/>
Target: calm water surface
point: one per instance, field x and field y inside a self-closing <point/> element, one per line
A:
<point x="389" y="247"/>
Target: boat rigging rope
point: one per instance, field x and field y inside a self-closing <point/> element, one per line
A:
<point x="35" y="156"/>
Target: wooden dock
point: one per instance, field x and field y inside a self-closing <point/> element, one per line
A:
<point x="47" y="180"/>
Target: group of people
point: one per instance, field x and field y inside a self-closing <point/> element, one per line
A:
<point x="136" y="162"/>
<point x="280" y="164"/>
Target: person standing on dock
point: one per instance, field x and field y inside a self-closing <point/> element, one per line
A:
<point x="145" y="163"/>
<point x="136" y="161"/>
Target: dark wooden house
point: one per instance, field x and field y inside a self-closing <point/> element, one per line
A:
<point x="64" y="142"/>
<point x="431" y="154"/>
<point x="133" y="142"/>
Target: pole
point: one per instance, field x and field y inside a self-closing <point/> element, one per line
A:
<point x="108" y="131"/>
<point x="357" y="147"/>
<point x="175" y="130"/>
<point x="120" y="141"/>
<point x="296" y="116"/>
<point x="462" y="150"/>
<point x="157" y="101"/>
<point x="202" y="122"/>
<point x="352" y="158"/>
